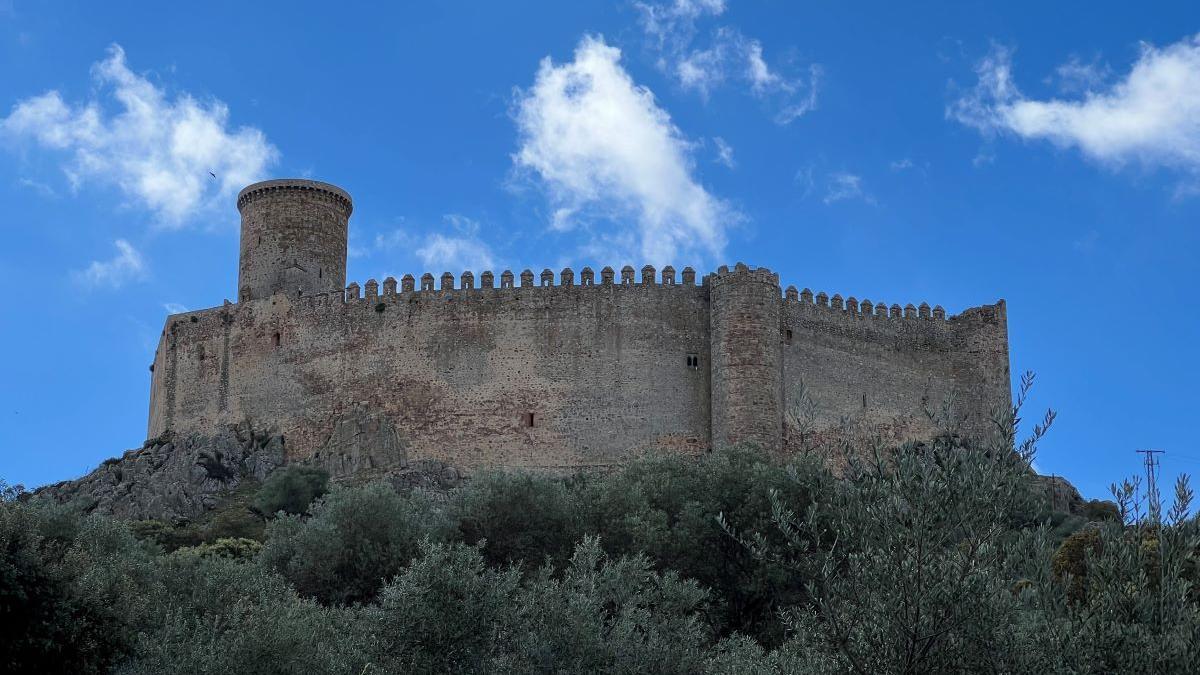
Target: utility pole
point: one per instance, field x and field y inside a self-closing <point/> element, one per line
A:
<point x="1153" y="500"/>
<point x="1155" y="507"/>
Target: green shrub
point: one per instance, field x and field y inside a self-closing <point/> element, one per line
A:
<point x="518" y="518"/>
<point x="1069" y="563"/>
<point x="165" y="535"/>
<point x="666" y="507"/>
<point x="353" y="542"/>
<point x="291" y="490"/>
<point x="234" y="549"/>
<point x="1100" y="509"/>
<point x="218" y="615"/>
<point x="608" y="615"/>
<point x="447" y="612"/>
<point x="71" y="590"/>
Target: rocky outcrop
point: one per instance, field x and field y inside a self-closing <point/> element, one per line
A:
<point x="1063" y="496"/>
<point x="365" y="446"/>
<point x="361" y="441"/>
<point x="180" y="478"/>
<point x="173" y="478"/>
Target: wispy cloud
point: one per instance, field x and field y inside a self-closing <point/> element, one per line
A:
<point x="1151" y="116"/>
<point x="724" y="152"/>
<point x="1075" y="76"/>
<point x="38" y="187"/>
<point x="601" y="147"/>
<point x="901" y="164"/>
<point x="457" y="246"/>
<point x="127" y="265"/>
<point x="843" y="186"/>
<point x="726" y="55"/>
<point x="462" y="249"/>
<point x="156" y="149"/>
<point x="174" y="308"/>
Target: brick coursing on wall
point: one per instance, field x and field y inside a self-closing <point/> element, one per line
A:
<point x="561" y="372"/>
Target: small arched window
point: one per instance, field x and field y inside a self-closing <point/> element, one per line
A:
<point x="275" y="339"/>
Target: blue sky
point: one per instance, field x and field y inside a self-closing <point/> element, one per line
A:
<point x="1046" y="153"/>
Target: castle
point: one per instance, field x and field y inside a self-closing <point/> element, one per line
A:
<point x="554" y="371"/>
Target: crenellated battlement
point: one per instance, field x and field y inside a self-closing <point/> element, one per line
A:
<point x="545" y="279"/>
<point x="334" y="193"/>
<point x="832" y="307"/>
<point x="866" y="308"/>
<point x="741" y="273"/>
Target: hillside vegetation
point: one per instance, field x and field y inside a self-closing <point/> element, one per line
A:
<point x="927" y="558"/>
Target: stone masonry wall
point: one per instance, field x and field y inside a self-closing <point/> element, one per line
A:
<point x="293" y="238"/>
<point x="603" y="370"/>
<point x="881" y="367"/>
<point x="606" y="367"/>
<point x="746" y="357"/>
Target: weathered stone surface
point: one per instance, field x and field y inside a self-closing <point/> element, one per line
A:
<point x="173" y="477"/>
<point x="541" y="375"/>
<point x="361" y="441"/>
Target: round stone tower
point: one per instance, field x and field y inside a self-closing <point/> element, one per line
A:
<point x="293" y="238"/>
<point x="747" y="357"/>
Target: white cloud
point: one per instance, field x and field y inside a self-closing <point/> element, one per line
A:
<point x="724" y="152"/>
<point x="157" y="150"/>
<point x="174" y="308"/>
<point x="38" y="187"/>
<point x="672" y="23"/>
<point x="901" y="164"/>
<point x="456" y="248"/>
<point x="804" y="179"/>
<point x="461" y="250"/>
<point x="728" y="55"/>
<point x="602" y="146"/>
<point x="127" y="265"/>
<point x="842" y="186"/>
<point x="1151" y="117"/>
<point x="454" y="254"/>
<point x="1075" y="76"/>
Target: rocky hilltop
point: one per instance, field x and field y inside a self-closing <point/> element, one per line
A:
<point x="174" y="477"/>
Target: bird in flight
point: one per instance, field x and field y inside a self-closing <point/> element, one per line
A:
<point x="212" y="174"/>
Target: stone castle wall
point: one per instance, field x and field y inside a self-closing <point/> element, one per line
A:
<point x="605" y="370"/>
<point x="552" y="372"/>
